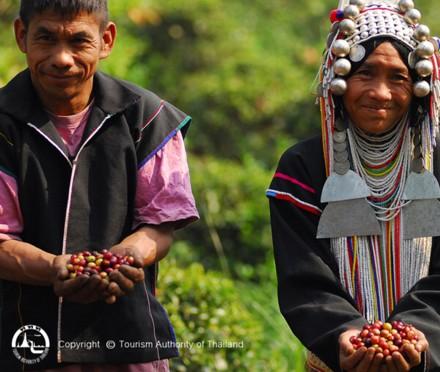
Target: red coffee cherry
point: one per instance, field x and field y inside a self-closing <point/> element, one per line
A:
<point x="96" y="263"/>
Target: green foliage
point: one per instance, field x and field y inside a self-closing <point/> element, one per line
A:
<point x="234" y="228"/>
<point x="205" y="309"/>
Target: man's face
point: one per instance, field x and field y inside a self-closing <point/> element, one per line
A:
<point x="379" y="93"/>
<point x="63" y="54"/>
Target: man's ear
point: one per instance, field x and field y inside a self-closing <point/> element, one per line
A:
<point x="108" y="38"/>
<point x="20" y="34"/>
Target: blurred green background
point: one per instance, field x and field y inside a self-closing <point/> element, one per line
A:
<point x="244" y="70"/>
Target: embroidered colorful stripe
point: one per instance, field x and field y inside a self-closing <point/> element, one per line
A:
<point x="297" y="202"/>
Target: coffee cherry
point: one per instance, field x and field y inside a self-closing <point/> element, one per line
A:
<point x="97" y="263"/>
<point x="385" y="338"/>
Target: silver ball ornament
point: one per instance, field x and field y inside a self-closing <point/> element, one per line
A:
<point x="347" y="26"/>
<point x="422" y="32"/>
<point x="338" y="86"/>
<point x="342" y="67"/>
<point x="359" y="3"/>
<point x="425" y="49"/>
<point x="424" y="67"/>
<point x="413" y="16"/>
<point x="351" y="11"/>
<point x="421" y="89"/>
<point x="340" y="48"/>
<point x="405" y="5"/>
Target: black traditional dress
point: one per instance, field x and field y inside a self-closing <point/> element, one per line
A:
<point x="312" y="298"/>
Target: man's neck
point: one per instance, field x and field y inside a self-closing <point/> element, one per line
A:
<point x="65" y="108"/>
<point x="68" y="105"/>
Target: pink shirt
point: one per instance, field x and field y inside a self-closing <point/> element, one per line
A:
<point x="163" y="189"/>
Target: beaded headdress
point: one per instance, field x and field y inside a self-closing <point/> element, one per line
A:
<point x="348" y="211"/>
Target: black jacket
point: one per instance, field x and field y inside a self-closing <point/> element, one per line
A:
<point x="311" y="297"/>
<point x="87" y="202"/>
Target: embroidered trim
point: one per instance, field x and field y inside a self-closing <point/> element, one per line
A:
<point x="294" y="181"/>
<point x="164" y="142"/>
<point x="297" y="202"/>
<point x="154" y="116"/>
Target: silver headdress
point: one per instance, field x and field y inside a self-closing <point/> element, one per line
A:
<point x="362" y="22"/>
<point x="348" y="212"/>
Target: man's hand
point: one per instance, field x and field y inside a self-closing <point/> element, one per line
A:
<point x="81" y="289"/>
<point x="361" y="360"/>
<point x="124" y="279"/>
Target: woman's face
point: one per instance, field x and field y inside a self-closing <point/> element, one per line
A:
<point x="379" y="93"/>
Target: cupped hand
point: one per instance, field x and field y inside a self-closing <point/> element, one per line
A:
<point x="361" y="360"/>
<point x="123" y="280"/>
<point x="82" y="289"/>
<point x="409" y="356"/>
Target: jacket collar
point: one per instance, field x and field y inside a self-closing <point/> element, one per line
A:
<point x="19" y="99"/>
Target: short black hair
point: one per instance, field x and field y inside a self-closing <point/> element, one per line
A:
<point x="65" y="8"/>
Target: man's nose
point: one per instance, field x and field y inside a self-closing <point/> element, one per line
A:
<point x="62" y="58"/>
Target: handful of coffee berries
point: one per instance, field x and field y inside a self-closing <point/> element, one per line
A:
<point x="96" y="263"/>
<point x="386" y="338"/>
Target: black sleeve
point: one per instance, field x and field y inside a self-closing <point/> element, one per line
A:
<point x="311" y="297"/>
<point x="421" y="308"/>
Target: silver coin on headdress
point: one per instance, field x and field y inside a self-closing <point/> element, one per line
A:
<point x="357" y="53"/>
<point x="412" y="59"/>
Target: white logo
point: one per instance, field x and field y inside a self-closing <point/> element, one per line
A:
<point x="30" y="344"/>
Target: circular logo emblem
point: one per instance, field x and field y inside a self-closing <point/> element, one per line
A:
<point x="30" y="344"/>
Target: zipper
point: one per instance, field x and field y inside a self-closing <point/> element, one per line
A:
<point x="51" y="142"/>
<point x="74" y="165"/>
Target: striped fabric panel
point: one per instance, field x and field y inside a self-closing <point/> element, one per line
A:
<point x="292" y="199"/>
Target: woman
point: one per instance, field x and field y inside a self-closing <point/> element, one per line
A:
<point x="353" y="212"/>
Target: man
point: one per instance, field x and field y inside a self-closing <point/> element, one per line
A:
<point x="87" y="162"/>
<point x="353" y="212"/>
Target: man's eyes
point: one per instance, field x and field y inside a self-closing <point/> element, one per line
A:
<point x="51" y="38"/>
<point x="79" y="40"/>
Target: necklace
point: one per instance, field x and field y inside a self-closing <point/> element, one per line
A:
<point x="383" y="162"/>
